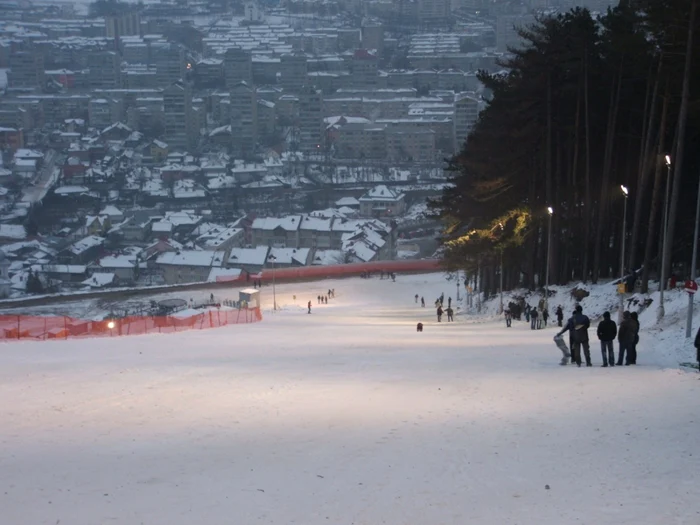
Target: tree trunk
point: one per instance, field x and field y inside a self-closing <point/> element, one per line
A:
<point x="607" y="164"/>
<point x="645" y="166"/>
<point x="680" y="139"/>
<point x="656" y="192"/>
<point x="588" y="203"/>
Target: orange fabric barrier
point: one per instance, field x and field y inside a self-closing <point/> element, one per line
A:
<point x="18" y="327"/>
<point x="351" y="270"/>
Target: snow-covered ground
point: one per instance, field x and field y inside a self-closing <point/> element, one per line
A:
<point x="345" y="416"/>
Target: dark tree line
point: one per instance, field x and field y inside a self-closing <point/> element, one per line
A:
<point x="585" y="106"/>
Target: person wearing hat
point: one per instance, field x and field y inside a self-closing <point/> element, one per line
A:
<point x="607" y="330"/>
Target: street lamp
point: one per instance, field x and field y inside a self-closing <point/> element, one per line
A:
<point x="625" y="192"/>
<point x="693" y="265"/>
<point x="274" y="292"/>
<point x="662" y="279"/>
<point x="501" y="274"/>
<point x="550" y="210"/>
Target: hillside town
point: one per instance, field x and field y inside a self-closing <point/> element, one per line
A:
<point x="180" y="142"/>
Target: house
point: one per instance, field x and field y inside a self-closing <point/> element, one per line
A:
<point x="288" y="257"/>
<point x="188" y="266"/>
<point x="5" y="282"/>
<point x="97" y="224"/>
<point x="350" y="202"/>
<point x="82" y="251"/>
<point x="251" y="260"/>
<point x="315" y="232"/>
<point x="159" y="151"/>
<point x="221" y="238"/>
<point x="273" y="231"/>
<point x="381" y="201"/>
<point x="65" y="273"/>
<point x="12" y="232"/>
<point x="113" y="213"/>
<point x="138" y="227"/>
<point x="101" y="280"/>
<point x="125" y="266"/>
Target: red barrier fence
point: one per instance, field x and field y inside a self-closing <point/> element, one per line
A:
<point x="17" y="327"/>
<point x="351" y="270"/>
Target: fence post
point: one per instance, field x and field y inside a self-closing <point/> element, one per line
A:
<point x="45" y="334"/>
<point x="19" y="327"/>
<point x="65" y="325"/>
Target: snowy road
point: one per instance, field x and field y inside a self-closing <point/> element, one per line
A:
<point x="346" y="416"/>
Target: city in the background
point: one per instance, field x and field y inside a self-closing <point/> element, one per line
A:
<point x="180" y="142"/>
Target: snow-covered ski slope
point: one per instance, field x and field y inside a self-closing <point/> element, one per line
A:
<point x="345" y="416"/>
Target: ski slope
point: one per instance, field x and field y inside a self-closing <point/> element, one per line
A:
<point x="345" y="416"/>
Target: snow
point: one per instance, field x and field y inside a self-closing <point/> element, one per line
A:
<point x="85" y="244"/>
<point x="12" y="231"/>
<point x="223" y="274"/>
<point x="289" y="256"/>
<point x="98" y="280"/>
<point x="248" y="256"/>
<point x="191" y="258"/>
<point x="343" y="416"/>
<point x="289" y="223"/>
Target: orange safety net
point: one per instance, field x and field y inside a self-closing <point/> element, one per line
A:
<point x="18" y="327"/>
<point x="351" y="270"/>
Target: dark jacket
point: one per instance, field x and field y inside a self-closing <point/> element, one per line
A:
<point x="577" y="326"/>
<point x="607" y="330"/>
<point x="560" y="313"/>
<point x="627" y="332"/>
<point x="697" y="339"/>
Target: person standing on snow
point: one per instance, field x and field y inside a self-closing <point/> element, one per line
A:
<point x="509" y="317"/>
<point x="450" y="314"/>
<point x="439" y="314"/>
<point x="422" y="302"/>
<point x="416" y="298"/>
<point x="625" y="337"/>
<point x="545" y="316"/>
<point x="577" y="327"/>
<point x="633" y="351"/>
<point x="560" y="315"/>
<point x="533" y="318"/>
<point x="607" y="330"/>
<point x="309" y="305"/>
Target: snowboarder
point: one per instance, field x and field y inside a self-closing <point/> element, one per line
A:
<point x="560" y="315"/>
<point x="309" y="305"/>
<point x="422" y="302"/>
<point x="607" y="330"/>
<point x="625" y="338"/>
<point x="545" y="316"/>
<point x="559" y="340"/>
<point x="509" y="317"/>
<point x="416" y="298"/>
<point x="439" y="313"/>
<point x="577" y="327"/>
<point x="450" y="314"/>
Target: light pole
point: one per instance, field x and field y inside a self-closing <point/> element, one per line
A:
<point x="457" y="285"/>
<point x="501" y="274"/>
<point x="274" y="292"/>
<point x="662" y="279"/>
<point x="693" y="264"/>
<point x="550" y="210"/>
<point x="625" y="192"/>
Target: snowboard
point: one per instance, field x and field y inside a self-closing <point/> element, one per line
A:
<point x="561" y="345"/>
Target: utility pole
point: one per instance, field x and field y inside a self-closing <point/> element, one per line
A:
<point x="662" y="278"/>
<point x="693" y="265"/>
<point x="625" y="192"/>
<point x="550" y="210"/>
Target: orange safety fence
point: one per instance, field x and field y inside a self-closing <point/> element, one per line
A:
<point x="18" y="327"/>
<point x="351" y="270"/>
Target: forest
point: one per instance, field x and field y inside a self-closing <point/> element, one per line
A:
<point x="586" y="109"/>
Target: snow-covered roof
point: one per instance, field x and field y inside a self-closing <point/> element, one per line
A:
<point x="191" y="258"/>
<point x="327" y="257"/>
<point x="289" y="223"/>
<point x="12" y="231"/>
<point x="71" y="190"/>
<point x="310" y="222"/>
<point x="381" y="193"/>
<point x="162" y="227"/>
<point x="64" y="268"/>
<point x="289" y="255"/>
<point x="111" y="211"/>
<point x="347" y="201"/>
<point x="224" y="273"/>
<point x="98" y="280"/>
<point x="248" y="256"/>
<point x="85" y="244"/>
<point x="119" y="261"/>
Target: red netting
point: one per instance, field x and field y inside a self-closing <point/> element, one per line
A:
<point x="17" y="327"/>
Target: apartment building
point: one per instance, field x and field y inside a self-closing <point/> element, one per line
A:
<point x="181" y="132"/>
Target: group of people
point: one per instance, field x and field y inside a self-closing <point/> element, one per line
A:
<point x="323" y="299"/>
<point x="537" y="316"/>
<point x="627" y="335"/>
<point x="439" y="306"/>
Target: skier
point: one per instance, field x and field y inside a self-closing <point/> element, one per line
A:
<point x="625" y="337"/>
<point x="439" y="313"/>
<point x="416" y="298"/>
<point x="560" y="315"/>
<point x="422" y="302"/>
<point x="450" y="314"/>
<point x="509" y="317"/>
<point x="545" y="316"/>
<point x="607" y="330"/>
<point x="309" y="305"/>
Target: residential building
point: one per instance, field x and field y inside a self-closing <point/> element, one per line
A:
<point x="293" y="71"/>
<point x="244" y="125"/>
<point x="238" y="67"/>
<point x="310" y="119"/>
<point x="105" y="70"/>
<point x="123" y="24"/>
<point x="272" y="231"/>
<point x="364" y="69"/>
<point x="382" y="201"/>
<point x="26" y="70"/>
<point x="288" y="257"/>
<point x="466" y="115"/>
<point x="170" y="62"/>
<point x="188" y="266"/>
<point x="373" y="36"/>
<point x="181" y="132"/>
<point x="251" y="260"/>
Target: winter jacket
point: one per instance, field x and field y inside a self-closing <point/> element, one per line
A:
<point x="577" y="326"/>
<point x="560" y="313"/>
<point x="697" y="339"/>
<point x="627" y="332"/>
<point x="534" y="313"/>
<point x="607" y="330"/>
